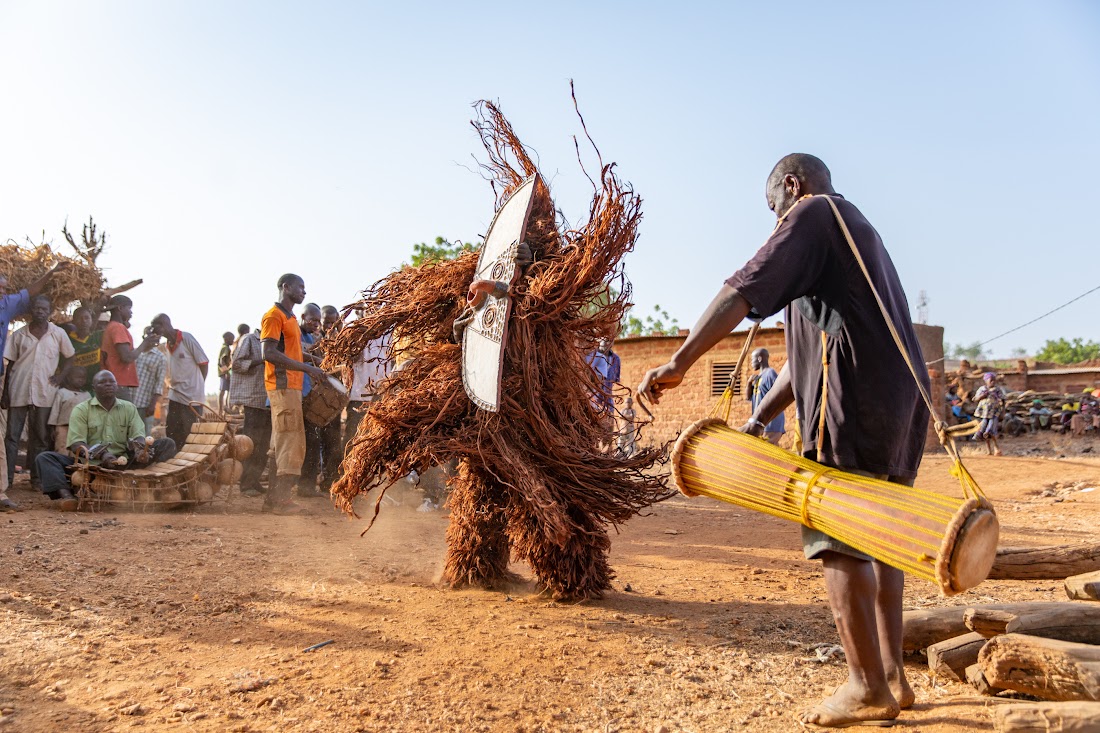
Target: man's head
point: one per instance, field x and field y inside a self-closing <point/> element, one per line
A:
<point x="605" y="345"/>
<point x="629" y="402"/>
<point x="3" y="285"/>
<point x="121" y="308"/>
<point x="83" y="319"/>
<point x="243" y="329"/>
<point x="760" y="359"/>
<point x="329" y="316"/>
<point x="794" y="176"/>
<point x="293" y="288"/>
<point x="40" y="309"/>
<point x="105" y="385"/>
<point x="162" y="325"/>
<point x="228" y="338"/>
<point x="311" y="318"/>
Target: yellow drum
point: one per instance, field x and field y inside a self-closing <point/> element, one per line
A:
<point x="949" y="541"/>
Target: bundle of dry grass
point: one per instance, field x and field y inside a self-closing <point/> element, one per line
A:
<point x="81" y="282"/>
<point x="533" y="483"/>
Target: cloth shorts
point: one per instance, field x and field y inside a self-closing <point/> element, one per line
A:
<point x="288" y="431"/>
<point x="815" y="542"/>
<point x="223" y="383"/>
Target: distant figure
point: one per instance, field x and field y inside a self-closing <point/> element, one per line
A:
<point x="311" y="464"/>
<point x="367" y="375"/>
<point x="330" y="322"/>
<point x="246" y="388"/>
<point x="87" y="345"/>
<point x="281" y="341"/>
<point x="70" y="394"/>
<point x="152" y="368"/>
<point x="607" y="365"/>
<point x="187" y="369"/>
<point x="991" y="400"/>
<point x="34" y="356"/>
<point x="225" y="356"/>
<point x="627" y="432"/>
<point x="119" y="355"/>
<point x="760" y="384"/>
<point x="1039" y="415"/>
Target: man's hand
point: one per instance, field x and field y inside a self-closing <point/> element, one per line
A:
<point x="752" y="427"/>
<point x="59" y="267"/>
<point x="107" y="459"/>
<point x="315" y="372"/>
<point x="149" y="411"/>
<point x="656" y="381"/>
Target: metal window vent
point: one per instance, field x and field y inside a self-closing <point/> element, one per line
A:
<point x="720" y="377"/>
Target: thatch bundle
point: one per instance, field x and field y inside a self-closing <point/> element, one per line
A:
<point x="22" y="264"/>
<point x="533" y="482"/>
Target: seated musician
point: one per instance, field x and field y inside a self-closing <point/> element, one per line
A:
<point x="107" y="432"/>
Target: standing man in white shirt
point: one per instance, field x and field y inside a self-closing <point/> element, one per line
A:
<point x="34" y="356"/>
<point x="187" y="368"/>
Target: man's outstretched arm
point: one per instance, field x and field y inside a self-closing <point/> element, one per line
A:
<point x="723" y="314"/>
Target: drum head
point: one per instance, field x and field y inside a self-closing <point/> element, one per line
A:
<point x="974" y="551"/>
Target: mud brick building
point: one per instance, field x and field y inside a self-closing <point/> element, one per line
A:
<point x="702" y="387"/>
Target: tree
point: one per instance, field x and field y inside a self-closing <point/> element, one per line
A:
<point x="652" y="325"/>
<point x="440" y="251"/>
<point x="1018" y="353"/>
<point x="1062" y="351"/>
<point x="973" y="352"/>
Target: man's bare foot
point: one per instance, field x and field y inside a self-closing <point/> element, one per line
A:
<point x="902" y="692"/>
<point x="849" y="706"/>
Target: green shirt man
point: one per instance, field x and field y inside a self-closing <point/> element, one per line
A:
<point x="91" y="424"/>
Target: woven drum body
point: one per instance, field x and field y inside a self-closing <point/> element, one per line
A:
<point x="948" y="540"/>
<point x="324" y="402"/>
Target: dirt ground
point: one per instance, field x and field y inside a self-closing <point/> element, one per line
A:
<point x="199" y="621"/>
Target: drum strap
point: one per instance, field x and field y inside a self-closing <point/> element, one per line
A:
<point x="970" y="487"/>
<point x="824" y="396"/>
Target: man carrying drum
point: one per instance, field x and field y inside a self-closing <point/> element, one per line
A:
<point x="873" y="421"/>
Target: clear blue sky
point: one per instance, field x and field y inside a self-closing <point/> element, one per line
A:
<point x="223" y="143"/>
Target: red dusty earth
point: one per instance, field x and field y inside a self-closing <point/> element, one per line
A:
<point x="199" y="621"/>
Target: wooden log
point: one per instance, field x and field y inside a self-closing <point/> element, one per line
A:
<point x="1046" y="668"/>
<point x="923" y="628"/>
<point x="1048" y="717"/>
<point x="950" y="658"/>
<point x="988" y="621"/>
<point x="111" y="292"/>
<point x="1084" y="587"/>
<point x="1078" y="622"/>
<point x="1045" y="563"/>
<point x="977" y="680"/>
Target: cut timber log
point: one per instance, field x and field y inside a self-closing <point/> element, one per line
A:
<point x="1046" y="668"/>
<point x="1078" y="622"/>
<point x="925" y="627"/>
<point x="950" y="658"/>
<point x="1084" y="587"/>
<point x="977" y="680"/>
<point x="1048" y="717"/>
<point x="1045" y="563"/>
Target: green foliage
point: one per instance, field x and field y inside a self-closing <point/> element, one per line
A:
<point x="1062" y="351"/>
<point x="972" y="352"/>
<point x="440" y="251"/>
<point x="657" y="323"/>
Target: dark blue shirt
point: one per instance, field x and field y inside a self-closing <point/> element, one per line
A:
<point x="761" y="385"/>
<point x="11" y="306"/>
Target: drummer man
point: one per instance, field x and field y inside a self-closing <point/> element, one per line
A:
<point x="281" y="346"/>
<point x="874" y="421"/>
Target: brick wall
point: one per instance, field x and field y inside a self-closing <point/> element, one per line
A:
<point x="693" y="399"/>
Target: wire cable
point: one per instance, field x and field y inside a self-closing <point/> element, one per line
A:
<point x="1033" y="320"/>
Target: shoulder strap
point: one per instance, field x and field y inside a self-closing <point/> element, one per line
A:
<point x="958" y="470"/>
